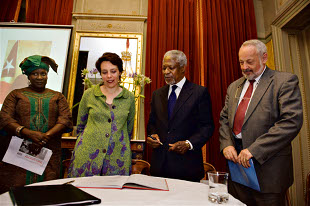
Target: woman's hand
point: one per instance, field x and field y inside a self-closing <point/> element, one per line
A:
<point x="34" y="148"/>
<point x="37" y="137"/>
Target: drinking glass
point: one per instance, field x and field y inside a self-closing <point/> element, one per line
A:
<point x="218" y="192"/>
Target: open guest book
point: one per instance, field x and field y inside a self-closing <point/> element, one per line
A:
<point x="135" y="181"/>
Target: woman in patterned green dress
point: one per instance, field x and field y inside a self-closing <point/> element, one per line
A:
<point x="34" y="113"/>
<point x="104" y="125"/>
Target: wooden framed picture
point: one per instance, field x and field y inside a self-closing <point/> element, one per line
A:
<point x="18" y="41"/>
<point x="88" y="47"/>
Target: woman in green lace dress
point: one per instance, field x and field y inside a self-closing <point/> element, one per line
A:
<point x="104" y="125"/>
<point x="37" y="114"/>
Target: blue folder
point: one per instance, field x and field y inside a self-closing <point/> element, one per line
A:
<point x="244" y="176"/>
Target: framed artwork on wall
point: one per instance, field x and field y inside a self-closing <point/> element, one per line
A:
<point x="18" y="41"/>
<point x="88" y="47"/>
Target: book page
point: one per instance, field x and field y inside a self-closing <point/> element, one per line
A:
<point x="116" y="181"/>
<point x="144" y="182"/>
<point x="18" y="154"/>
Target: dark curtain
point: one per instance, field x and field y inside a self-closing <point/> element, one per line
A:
<point x="49" y="11"/>
<point x="7" y="10"/>
<point x="210" y="33"/>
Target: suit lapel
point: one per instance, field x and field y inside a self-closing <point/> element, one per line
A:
<point x="262" y="87"/>
<point x="185" y="93"/>
<point x="235" y="100"/>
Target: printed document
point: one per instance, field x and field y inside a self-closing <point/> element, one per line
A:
<point x="244" y="176"/>
<point x="18" y="154"/>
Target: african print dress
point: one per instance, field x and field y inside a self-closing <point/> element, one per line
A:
<point x="37" y="112"/>
<point x="103" y="144"/>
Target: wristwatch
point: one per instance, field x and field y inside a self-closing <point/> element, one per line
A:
<point x="188" y="144"/>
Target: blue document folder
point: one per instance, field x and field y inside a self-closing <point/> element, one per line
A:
<point x="244" y="176"/>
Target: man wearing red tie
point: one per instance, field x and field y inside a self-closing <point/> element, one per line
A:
<point x="262" y="115"/>
<point x="180" y="123"/>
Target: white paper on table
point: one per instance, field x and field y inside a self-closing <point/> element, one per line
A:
<point x="18" y="154"/>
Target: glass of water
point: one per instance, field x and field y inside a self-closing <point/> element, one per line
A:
<point x="218" y="187"/>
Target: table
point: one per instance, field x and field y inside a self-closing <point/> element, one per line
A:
<point x="180" y="193"/>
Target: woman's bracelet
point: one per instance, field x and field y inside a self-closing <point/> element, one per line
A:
<point x="18" y="130"/>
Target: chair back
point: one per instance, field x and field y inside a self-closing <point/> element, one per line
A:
<point x="140" y="167"/>
<point x="65" y="167"/>
<point x="208" y="168"/>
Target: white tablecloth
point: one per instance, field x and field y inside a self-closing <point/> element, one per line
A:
<point x="180" y="193"/>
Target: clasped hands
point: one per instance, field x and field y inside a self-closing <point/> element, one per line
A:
<point x="39" y="139"/>
<point x="180" y="147"/>
<point x="243" y="158"/>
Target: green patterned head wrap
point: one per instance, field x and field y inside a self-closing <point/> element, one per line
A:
<point x="34" y="62"/>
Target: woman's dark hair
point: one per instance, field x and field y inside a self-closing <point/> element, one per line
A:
<point x="110" y="57"/>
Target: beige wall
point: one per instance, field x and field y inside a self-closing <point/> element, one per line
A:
<point x="285" y="28"/>
<point x="264" y="14"/>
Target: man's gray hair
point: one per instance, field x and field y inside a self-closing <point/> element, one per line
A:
<point x="178" y="56"/>
<point x="260" y="46"/>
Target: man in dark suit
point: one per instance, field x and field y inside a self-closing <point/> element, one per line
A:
<point x="262" y="115"/>
<point x="180" y="123"/>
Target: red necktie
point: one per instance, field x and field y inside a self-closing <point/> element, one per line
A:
<point x="240" y="114"/>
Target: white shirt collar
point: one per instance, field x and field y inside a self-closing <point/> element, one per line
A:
<point x="259" y="77"/>
<point x="180" y="83"/>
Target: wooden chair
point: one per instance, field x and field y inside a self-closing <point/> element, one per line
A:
<point x="65" y="167"/>
<point x="140" y="167"/>
<point x="308" y="190"/>
<point x="208" y="168"/>
<point x="287" y="198"/>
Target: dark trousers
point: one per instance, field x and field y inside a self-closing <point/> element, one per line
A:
<point x="238" y="145"/>
<point x="252" y="197"/>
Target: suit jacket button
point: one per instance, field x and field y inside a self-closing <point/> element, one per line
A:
<point x="109" y="120"/>
<point x="107" y="135"/>
<point x="113" y="106"/>
<point x="168" y="132"/>
<point x="104" y="150"/>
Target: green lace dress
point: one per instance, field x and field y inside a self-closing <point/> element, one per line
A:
<point x="104" y="132"/>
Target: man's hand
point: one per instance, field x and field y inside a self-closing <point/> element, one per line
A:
<point x="244" y="157"/>
<point x="230" y="153"/>
<point x="154" y="143"/>
<point x="180" y="147"/>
